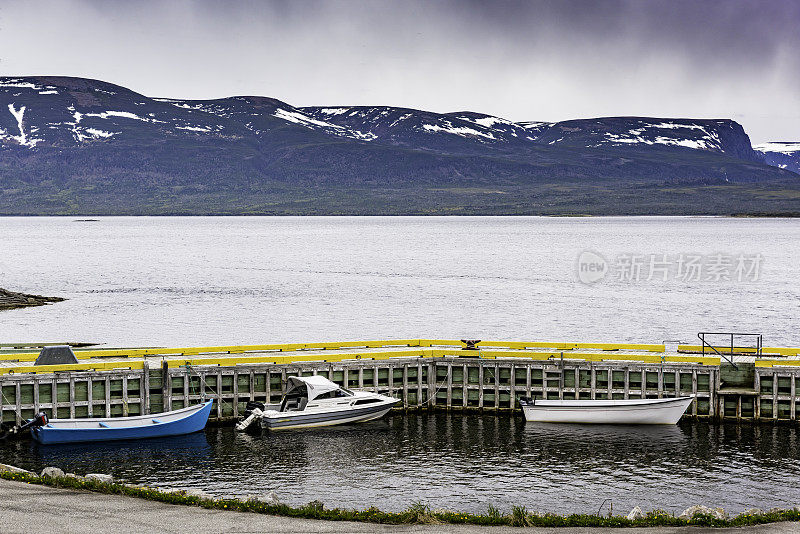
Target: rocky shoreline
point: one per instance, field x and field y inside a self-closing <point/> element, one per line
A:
<point x="10" y="300"/>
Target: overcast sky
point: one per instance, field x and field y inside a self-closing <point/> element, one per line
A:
<point x="520" y="60"/>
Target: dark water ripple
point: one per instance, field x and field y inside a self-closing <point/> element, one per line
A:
<point x="462" y="462"/>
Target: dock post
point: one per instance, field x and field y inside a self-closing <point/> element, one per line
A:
<point x="592" y="381"/>
<point x="72" y="396"/>
<point x="431" y="385"/>
<point x="18" y="398"/>
<point x="54" y="399"/>
<point x="235" y="393"/>
<point x="465" y="388"/>
<point x="107" y="386"/>
<point x="219" y="395"/>
<point x="577" y="377"/>
<point x="661" y="381"/>
<point x="677" y="383"/>
<point x="480" y="391"/>
<point x="449" y="385"/>
<point x="35" y="396"/>
<point x="528" y="391"/>
<point x="792" y="403"/>
<point x="419" y="384"/>
<point x="694" y="392"/>
<point x="644" y="383"/>
<point x="774" y="395"/>
<point x="405" y="385"/>
<point x="627" y="382"/>
<point x="89" y="397"/>
<point x="512" y="393"/>
<point x="496" y="386"/>
<point x="125" y="409"/>
<point x="144" y="388"/>
<point x="166" y="386"/>
<point x="757" y="401"/>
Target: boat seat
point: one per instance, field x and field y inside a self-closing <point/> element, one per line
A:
<point x="102" y="424"/>
<point x="302" y="405"/>
<point x="157" y="421"/>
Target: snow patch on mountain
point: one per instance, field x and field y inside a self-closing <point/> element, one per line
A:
<point x="201" y="129"/>
<point x="300" y="118"/>
<point x="534" y="125"/>
<point x="23" y="139"/>
<point x="308" y="121"/>
<point x="487" y="121"/>
<point x="123" y="115"/>
<point x="19" y="84"/>
<point x="96" y="134"/>
<point x="648" y="134"/>
<point x="463" y="131"/>
<point x="781" y="147"/>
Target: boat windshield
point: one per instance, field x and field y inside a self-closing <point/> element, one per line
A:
<point x="337" y="394"/>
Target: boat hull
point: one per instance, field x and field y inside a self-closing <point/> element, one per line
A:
<point x="290" y="420"/>
<point x="139" y="427"/>
<point x="614" y="412"/>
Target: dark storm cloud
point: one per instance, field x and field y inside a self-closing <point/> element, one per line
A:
<point x="538" y="60"/>
<point x="708" y="34"/>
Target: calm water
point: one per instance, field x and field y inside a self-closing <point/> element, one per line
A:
<point x="204" y="280"/>
<point x="207" y="280"/>
<point x="463" y="463"/>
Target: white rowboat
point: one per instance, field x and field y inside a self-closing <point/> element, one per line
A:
<point x="605" y="411"/>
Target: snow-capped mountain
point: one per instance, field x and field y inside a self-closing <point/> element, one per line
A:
<point x="723" y="136"/>
<point x="459" y="132"/>
<point x="781" y="154"/>
<point x="66" y="142"/>
<point x="54" y="111"/>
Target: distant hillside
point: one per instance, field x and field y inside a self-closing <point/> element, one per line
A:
<point x="72" y="145"/>
<point x="785" y="155"/>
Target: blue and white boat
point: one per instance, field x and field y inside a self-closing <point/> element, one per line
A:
<point x="174" y="423"/>
<point x="314" y="401"/>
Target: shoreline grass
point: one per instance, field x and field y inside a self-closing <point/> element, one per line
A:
<point x="417" y="513"/>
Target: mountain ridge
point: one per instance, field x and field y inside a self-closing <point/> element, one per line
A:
<point x="70" y="145"/>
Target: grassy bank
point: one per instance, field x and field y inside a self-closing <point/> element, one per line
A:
<point x="415" y="514"/>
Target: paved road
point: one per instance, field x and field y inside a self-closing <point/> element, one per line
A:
<point x="26" y="508"/>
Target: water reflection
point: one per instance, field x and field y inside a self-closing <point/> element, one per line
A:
<point x="464" y="462"/>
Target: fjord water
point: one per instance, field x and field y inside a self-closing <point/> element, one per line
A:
<point x="204" y="280"/>
<point x="246" y="280"/>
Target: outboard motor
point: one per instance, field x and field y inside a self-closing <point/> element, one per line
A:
<point x="9" y="431"/>
<point x="250" y="419"/>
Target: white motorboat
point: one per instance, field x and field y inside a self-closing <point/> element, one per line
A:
<point x="605" y="411"/>
<point x="312" y="401"/>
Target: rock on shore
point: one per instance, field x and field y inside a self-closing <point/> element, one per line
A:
<point x="10" y="300"/>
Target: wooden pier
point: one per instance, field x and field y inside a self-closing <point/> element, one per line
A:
<point x="425" y="374"/>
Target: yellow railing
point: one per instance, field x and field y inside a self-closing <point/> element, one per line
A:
<point x="781" y="351"/>
<point x="277" y="354"/>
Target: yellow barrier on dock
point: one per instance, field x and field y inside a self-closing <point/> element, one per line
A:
<point x="781" y="351"/>
<point x="777" y="363"/>
<point x="211" y="356"/>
